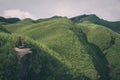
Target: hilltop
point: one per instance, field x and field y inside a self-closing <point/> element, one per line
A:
<point x="96" y="20"/>
<point x="80" y="48"/>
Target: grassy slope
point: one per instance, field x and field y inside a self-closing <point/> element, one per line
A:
<point x="16" y="27"/>
<point x="108" y="41"/>
<point x="56" y="34"/>
<point x="2" y="29"/>
<point x="86" y="54"/>
<point x="43" y="63"/>
<point x="115" y="26"/>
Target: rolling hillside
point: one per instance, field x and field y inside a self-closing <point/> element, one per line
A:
<point x="63" y="49"/>
<point x="115" y="26"/>
<point x="107" y="41"/>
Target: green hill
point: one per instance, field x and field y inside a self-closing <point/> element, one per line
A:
<point x="115" y="26"/>
<point x="107" y="41"/>
<point x="63" y="49"/>
<point x="43" y="63"/>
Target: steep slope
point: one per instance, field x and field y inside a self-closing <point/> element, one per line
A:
<point x="96" y="54"/>
<point x="43" y="63"/>
<point x="107" y="41"/>
<point x="115" y="26"/>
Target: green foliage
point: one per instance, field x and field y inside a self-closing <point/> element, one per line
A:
<point x="107" y="41"/>
<point x="9" y="20"/>
<point x="2" y="29"/>
<point x="8" y="58"/>
<point x="61" y="50"/>
<point x="96" y="20"/>
<point x="42" y="63"/>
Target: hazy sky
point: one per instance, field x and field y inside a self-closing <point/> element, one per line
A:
<point x="106" y="9"/>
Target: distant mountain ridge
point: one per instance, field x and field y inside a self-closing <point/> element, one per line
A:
<point x="115" y="26"/>
<point x="96" y="20"/>
<point x="9" y="20"/>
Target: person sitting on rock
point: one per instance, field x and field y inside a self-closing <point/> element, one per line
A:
<point x="20" y="43"/>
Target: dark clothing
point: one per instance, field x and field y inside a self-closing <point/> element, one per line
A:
<point x="19" y="43"/>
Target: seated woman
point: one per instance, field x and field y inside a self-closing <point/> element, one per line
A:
<point x="20" y="43"/>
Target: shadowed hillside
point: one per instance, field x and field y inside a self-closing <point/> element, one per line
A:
<point x="107" y="41"/>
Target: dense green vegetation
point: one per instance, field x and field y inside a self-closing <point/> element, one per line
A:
<point x="9" y="20"/>
<point x="107" y="41"/>
<point x="43" y="63"/>
<point x="2" y="29"/>
<point x="63" y="49"/>
<point x="96" y="20"/>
